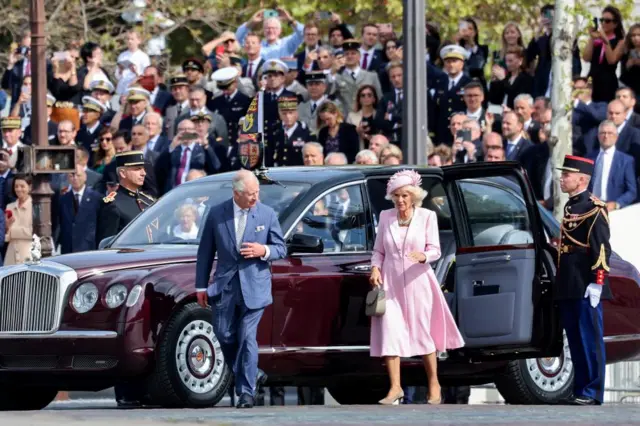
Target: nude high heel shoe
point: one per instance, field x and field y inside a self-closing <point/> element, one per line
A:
<point x="392" y="400"/>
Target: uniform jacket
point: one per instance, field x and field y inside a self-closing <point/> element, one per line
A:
<point x="231" y="111"/>
<point x="119" y="208"/>
<point x="287" y="150"/>
<point x="443" y="103"/>
<point x="584" y="253"/>
<point x="78" y="230"/>
<point x="219" y="238"/>
<point x="170" y="117"/>
<point x="110" y="174"/>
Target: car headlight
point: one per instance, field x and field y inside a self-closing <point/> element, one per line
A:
<point x="116" y="295"/>
<point x="85" y="298"/>
<point x="134" y="295"/>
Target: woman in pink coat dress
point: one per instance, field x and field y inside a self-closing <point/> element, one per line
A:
<point x="417" y="320"/>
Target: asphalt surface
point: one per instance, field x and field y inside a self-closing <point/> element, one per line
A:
<point x="69" y="415"/>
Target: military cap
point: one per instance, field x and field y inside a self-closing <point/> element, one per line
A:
<point x="292" y="63"/>
<point x="178" y="80"/>
<point x="224" y="77"/>
<point x="129" y="159"/>
<point x="90" y="103"/>
<point x="454" y="51"/>
<point x="137" y="93"/>
<point x="50" y="100"/>
<point x="104" y="85"/>
<point x="11" y="123"/>
<point x="318" y="76"/>
<point x="200" y="116"/>
<point x="193" y="64"/>
<point x="287" y="103"/>
<point x="235" y="60"/>
<point x="275" y="65"/>
<point x="576" y="164"/>
<point x="351" y="44"/>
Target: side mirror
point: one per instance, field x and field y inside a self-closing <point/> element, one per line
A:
<point x="303" y="243"/>
<point x="105" y="242"/>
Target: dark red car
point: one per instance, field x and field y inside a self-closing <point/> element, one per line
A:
<point x="88" y="321"/>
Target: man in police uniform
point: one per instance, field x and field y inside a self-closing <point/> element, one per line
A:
<point x="179" y="86"/>
<point x="194" y="71"/>
<point x="103" y="90"/>
<point x="583" y="279"/>
<point x="231" y="104"/>
<point x="316" y="82"/>
<point x="289" y="138"/>
<point x="446" y="97"/>
<point x="275" y="70"/>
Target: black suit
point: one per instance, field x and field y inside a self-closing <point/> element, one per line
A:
<point x="499" y="89"/>
<point x="535" y="163"/>
<point x="162" y="101"/>
<point x="634" y="120"/>
<point x="540" y="49"/>
<point x="52" y="133"/>
<point x="392" y="128"/>
<point x="347" y="139"/>
<point x="373" y="61"/>
<point x="443" y="104"/>
<point x="254" y="72"/>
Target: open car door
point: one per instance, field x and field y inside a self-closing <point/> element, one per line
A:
<point x="505" y="308"/>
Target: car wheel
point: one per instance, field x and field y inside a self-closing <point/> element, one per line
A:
<point x="190" y="370"/>
<point x="16" y="398"/>
<point x="538" y="380"/>
<point x="360" y="395"/>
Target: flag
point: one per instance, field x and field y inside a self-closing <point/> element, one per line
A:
<point x="254" y="118"/>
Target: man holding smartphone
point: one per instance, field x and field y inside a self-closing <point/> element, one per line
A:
<point x="273" y="47"/>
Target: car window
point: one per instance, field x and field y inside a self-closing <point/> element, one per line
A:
<point x="338" y="219"/>
<point x="496" y="211"/>
<point x="178" y="217"/>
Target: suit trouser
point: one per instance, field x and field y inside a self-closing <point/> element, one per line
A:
<point x="585" y="333"/>
<point x="236" y="328"/>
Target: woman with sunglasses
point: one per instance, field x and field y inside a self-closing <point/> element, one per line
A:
<point x="104" y="152"/>
<point x="604" y="50"/>
<point x="363" y="114"/>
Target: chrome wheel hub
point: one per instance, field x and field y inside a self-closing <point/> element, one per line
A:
<point x="199" y="358"/>
<point x="551" y="374"/>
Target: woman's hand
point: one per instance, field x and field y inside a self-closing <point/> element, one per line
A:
<point x="417" y="257"/>
<point x="375" y="279"/>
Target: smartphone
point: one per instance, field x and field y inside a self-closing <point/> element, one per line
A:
<point x="8" y="213"/>
<point x="548" y="14"/>
<point x="60" y="56"/>
<point x="270" y="13"/>
<point x="189" y="136"/>
<point x="325" y="15"/>
<point x="220" y="50"/>
<point x="595" y="24"/>
<point x="495" y="109"/>
<point x="464" y="134"/>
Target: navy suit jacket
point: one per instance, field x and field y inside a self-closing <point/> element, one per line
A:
<point x="586" y="117"/>
<point x="78" y="231"/>
<point x="200" y="160"/>
<point x="622" y="187"/>
<point x="519" y="151"/>
<point x="219" y="237"/>
<point x="163" y="100"/>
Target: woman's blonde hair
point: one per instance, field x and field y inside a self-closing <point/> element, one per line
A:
<point x="392" y="151"/>
<point x="417" y="194"/>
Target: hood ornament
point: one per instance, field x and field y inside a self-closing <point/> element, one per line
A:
<point x="36" y="250"/>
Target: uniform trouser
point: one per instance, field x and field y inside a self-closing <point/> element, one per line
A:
<point x="585" y="333"/>
<point x="236" y="328"/>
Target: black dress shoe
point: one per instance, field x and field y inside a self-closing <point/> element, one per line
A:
<point x="585" y="400"/>
<point x="128" y="404"/>
<point x="245" y="401"/>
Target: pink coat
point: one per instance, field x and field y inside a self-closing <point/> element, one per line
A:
<point x="417" y="320"/>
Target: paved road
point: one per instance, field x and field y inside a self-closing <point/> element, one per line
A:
<point x="68" y="414"/>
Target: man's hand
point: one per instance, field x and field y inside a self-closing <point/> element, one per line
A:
<point x="470" y="147"/>
<point x="202" y="298"/>
<point x="252" y="250"/>
<point x="257" y="17"/>
<point x="611" y="205"/>
<point x="284" y="15"/>
<point x="593" y="293"/>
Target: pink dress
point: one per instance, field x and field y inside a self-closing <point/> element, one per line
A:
<point x="417" y="320"/>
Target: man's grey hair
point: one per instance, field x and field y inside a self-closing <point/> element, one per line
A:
<point x="367" y="154"/>
<point x="315" y="145"/>
<point x="153" y="114"/>
<point x="241" y="178"/>
<point x="473" y="123"/>
<point x="273" y="20"/>
<point x="339" y="156"/>
<point x="524" y="97"/>
<point x="608" y="123"/>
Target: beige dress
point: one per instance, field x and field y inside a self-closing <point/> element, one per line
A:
<point x="19" y="235"/>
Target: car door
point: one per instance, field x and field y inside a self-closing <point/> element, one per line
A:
<point x="502" y="306"/>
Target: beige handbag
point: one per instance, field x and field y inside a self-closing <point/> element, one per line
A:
<point x="375" y="303"/>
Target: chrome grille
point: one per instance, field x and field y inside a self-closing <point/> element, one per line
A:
<point x="28" y="302"/>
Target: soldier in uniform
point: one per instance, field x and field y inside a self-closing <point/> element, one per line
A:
<point x="275" y="70"/>
<point x="179" y="86"/>
<point x="103" y="90"/>
<point x="288" y="138"/>
<point x="583" y="279"/>
<point x="447" y="95"/>
<point x="316" y="82"/>
<point x="231" y="104"/>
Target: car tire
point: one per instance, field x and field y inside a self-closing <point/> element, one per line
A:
<point x="538" y="380"/>
<point x="360" y="395"/>
<point x="190" y="371"/>
<point x="13" y="398"/>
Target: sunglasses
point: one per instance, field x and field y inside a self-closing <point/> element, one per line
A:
<point x="607" y="20"/>
<point x="106" y="139"/>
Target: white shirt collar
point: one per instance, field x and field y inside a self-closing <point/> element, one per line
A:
<point x="515" y="141"/>
<point x="355" y="70"/>
<point x="138" y="118"/>
<point x="629" y="113"/>
<point x="319" y="101"/>
<point x="455" y="80"/>
<point x="81" y="192"/>
<point x="371" y="51"/>
<point x="609" y="151"/>
<point x="93" y="129"/>
<point x="476" y="114"/>
<point x="231" y="96"/>
<point x="237" y="209"/>
<point x="621" y="127"/>
<point x="528" y="123"/>
<point x="290" y="131"/>
<point x="190" y="146"/>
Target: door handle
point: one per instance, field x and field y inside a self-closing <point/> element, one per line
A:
<point x="362" y="268"/>
<point x="491" y="259"/>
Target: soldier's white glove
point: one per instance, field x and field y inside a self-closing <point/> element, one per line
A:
<point x="593" y="293"/>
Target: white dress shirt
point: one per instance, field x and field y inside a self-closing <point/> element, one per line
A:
<point x="607" y="159"/>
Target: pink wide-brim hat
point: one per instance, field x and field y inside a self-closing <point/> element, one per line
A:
<point x="403" y="178"/>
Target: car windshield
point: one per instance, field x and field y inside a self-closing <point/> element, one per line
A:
<point x="177" y="218"/>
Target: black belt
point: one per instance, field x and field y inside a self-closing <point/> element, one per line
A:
<point x="574" y="249"/>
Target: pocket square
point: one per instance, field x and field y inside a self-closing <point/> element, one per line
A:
<point x="259" y="228"/>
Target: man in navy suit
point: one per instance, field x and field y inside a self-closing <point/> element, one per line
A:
<point x="586" y="113"/>
<point x="515" y="145"/>
<point x="78" y="215"/>
<point x="246" y="236"/>
<point x="613" y="180"/>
